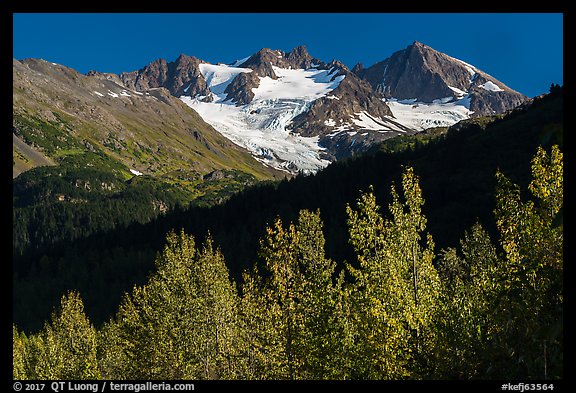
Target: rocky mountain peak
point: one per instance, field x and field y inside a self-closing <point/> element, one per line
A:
<point x="338" y="64"/>
<point x="419" y="45"/>
<point x="180" y="77"/>
<point x="358" y="67"/>
<point x="262" y="61"/>
<point x="184" y="58"/>
<point x="425" y="74"/>
<point x="299" y="58"/>
<point x="347" y="110"/>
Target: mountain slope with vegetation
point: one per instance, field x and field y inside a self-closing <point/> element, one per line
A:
<point x="456" y="167"/>
<point x="295" y="316"/>
<point x="91" y="155"/>
<point x="63" y="113"/>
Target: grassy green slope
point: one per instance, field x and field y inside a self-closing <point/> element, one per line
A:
<point x="60" y="113"/>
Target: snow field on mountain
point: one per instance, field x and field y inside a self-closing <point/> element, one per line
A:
<point x="419" y="115"/>
<point x="307" y="85"/>
<point x="271" y="146"/>
<point x="260" y="126"/>
<point x="218" y="77"/>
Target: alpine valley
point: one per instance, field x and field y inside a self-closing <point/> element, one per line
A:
<point x="282" y="216"/>
<point x="187" y="131"/>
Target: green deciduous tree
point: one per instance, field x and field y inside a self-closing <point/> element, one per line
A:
<point x="65" y="349"/>
<point x="469" y="284"/>
<point x="396" y="287"/>
<point x="181" y="325"/>
<point x="529" y="309"/>
<point x="290" y="313"/>
<point x="19" y="354"/>
<point x="321" y="342"/>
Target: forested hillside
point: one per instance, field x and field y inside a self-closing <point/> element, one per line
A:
<point x="456" y="167"/>
<point x="398" y="308"/>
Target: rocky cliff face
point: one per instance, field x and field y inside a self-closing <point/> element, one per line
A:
<point x="422" y="73"/>
<point x="180" y="77"/>
<point x="262" y="60"/>
<point x="352" y="96"/>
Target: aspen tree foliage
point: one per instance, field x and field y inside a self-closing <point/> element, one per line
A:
<point x="469" y="284"/>
<point x="397" y="311"/>
<point x="66" y="348"/>
<point x="299" y="329"/>
<point x="180" y="325"/>
<point x="396" y="286"/>
<point x="529" y="310"/>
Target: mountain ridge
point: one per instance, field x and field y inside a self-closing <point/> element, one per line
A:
<point x="60" y="112"/>
<point x="426" y="74"/>
<point x="296" y="113"/>
<point x="414" y="88"/>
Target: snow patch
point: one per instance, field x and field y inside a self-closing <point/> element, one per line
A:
<point x="100" y="94"/>
<point x="421" y="115"/>
<point x="125" y="93"/>
<point x="443" y="100"/>
<point x="111" y="93"/>
<point x="491" y="86"/>
<point x="333" y="134"/>
<point x="367" y="122"/>
<point x="329" y="123"/>
<point x="459" y="93"/>
<point x="218" y="77"/>
<point x="342" y="127"/>
<point x="238" y="62"/>
<point x="407" y="100"/>
<point x="135" y="172"/>
<point x="301" y="84"/>
<point x="333" y="97"/>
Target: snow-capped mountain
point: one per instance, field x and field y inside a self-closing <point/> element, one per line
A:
<point x="426" y="88"/>
<point x="298" y="113"/>
<point x="292" y="111"/>
<point x="261" y="124"/>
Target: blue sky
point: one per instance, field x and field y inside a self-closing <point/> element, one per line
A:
<point x="525" y="50"/>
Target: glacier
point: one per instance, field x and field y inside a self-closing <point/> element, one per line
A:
<point x="261" y="125"/>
